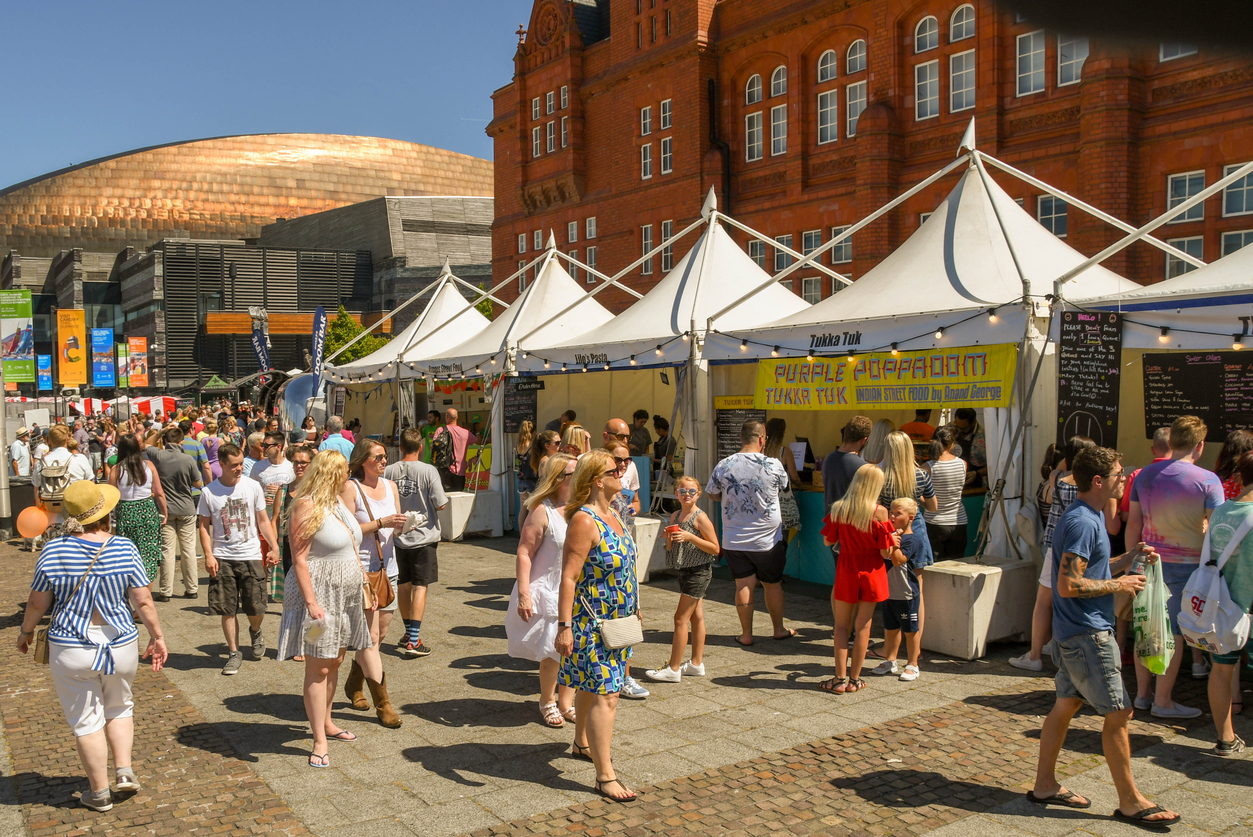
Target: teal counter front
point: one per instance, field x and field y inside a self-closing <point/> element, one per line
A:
<point x="808" y="558"/>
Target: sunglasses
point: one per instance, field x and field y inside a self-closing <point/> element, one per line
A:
<point x="379" y="457"/>
<point x="621" y="437"/>
<point x="565" y="474"/>
<point x="687" y="492"/>
<point x="622" y="461"/>
<point x="612" y="473"/>
<point x="553" y="442"/>
<point x="296" y="463"/>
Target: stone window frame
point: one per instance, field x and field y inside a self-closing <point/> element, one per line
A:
<point x="1189" y="191"/>
<point x="828" y="66"/>
<point x="926" y="39"/>
<point x="752" y="89"/>
<point x="753" y="137"/>
<point x="829" y="116"/>
<point x="933" y="66"/>
<point x="859" y="56"/>
<point x="1032" y="72"/>
<point x="963" y="29"/>
<point x="953" y="89"/>
<point x="778" y="81"/>
<point x="778" y="130"/>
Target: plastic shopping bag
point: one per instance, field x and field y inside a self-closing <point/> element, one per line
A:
<point x="1154" y="642"/>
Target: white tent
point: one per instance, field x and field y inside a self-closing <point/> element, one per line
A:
<point x="1206" y="308"/>
<point x="959" y="266"/>
<point x="653" y="331"/>
<point x="447" y="320"/>
<point x="490" y="351"/>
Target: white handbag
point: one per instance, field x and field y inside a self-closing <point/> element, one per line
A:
<point x="1208" y="617"/>
<point x="621" y="632"/>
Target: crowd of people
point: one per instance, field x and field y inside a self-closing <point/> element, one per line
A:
<point x="355" y="537"/>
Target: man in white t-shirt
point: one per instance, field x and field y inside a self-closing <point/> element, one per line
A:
<point x="275" y="470"/>
<point x="19" y="454"/>
<point x="747" y="484"/>
<point x="232" y="522"/>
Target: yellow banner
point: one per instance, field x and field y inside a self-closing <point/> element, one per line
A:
<point x="72" y="349"/>
<point x="965" y="377"/>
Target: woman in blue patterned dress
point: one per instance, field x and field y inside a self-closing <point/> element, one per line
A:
<point x="597" y="572"/>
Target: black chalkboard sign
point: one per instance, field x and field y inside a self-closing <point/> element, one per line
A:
<point x="521" y="401"/>
<point x="1089" y="354"/>
<point x="1217" y="386"/>
<point x="729" y="423"/>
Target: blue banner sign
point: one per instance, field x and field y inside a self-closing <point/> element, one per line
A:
<point x="44" y="363"/>
<point x="103" y="372"/>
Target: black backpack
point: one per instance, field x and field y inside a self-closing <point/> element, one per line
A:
<point x="441" y="450"/>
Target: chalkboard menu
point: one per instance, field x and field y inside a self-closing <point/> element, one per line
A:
<point x="521" y="401"/>
<point x="730" y="413"/>
<point x="1217" y="386"/>
<point x="1089" y="354"/>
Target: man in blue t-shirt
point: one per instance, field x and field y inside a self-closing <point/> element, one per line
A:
<point x="1083" y="629"/>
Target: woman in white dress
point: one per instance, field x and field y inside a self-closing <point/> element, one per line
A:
<point x="326" y="573"/>
<point x="531" y="621"/>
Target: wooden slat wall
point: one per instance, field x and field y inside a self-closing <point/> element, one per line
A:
<point x="234" y="322"/>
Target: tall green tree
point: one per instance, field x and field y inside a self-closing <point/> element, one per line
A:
<point x="341" y="330"/>
<point x="485" y="305"/>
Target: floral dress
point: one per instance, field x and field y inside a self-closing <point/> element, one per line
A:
<point x="607" y="583"/>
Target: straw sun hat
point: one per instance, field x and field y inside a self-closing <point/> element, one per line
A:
<point x="86" y="501"/>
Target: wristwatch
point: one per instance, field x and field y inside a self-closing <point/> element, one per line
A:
<point x="26" y="633"/>
<point x="566" y="625"/>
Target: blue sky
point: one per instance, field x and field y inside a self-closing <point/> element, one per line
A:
<point x="88" y="79"/>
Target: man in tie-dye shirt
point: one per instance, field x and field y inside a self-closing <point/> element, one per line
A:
<point x="1171" y="502"/>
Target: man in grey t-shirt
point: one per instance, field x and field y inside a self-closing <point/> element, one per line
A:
<point x="180" y="477"/>
<point x="421" y="494"/>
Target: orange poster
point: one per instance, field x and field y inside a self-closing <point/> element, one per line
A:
<point x="138" y="363"/>
<point x="72" y="346"/>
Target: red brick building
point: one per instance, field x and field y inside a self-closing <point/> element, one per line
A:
<point x="806" y="116"/>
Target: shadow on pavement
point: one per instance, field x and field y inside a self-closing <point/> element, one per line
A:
<point x="243" y="740"/>
<point x="496" y="631"/>
<point x="283" y="707"/>
<point x="52" y="791"/>
<point x="205" y="656"/>
<point x="782" y="677"/>
<point x="539" y="764"/>
<point x="494" y="662"/>
<point x="474" y="712"/>
<point x="910" y="788"/>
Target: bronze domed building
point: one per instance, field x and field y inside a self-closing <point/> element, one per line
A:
<point x="222" y="188"/>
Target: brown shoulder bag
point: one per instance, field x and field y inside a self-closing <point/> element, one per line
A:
<point x="377" y="581"/>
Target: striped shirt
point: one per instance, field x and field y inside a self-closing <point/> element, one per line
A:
<point x="62" y="563"/>
<point x="948" y="479"/>
<point x="922" y="490"/>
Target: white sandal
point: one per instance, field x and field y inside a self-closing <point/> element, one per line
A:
<point x="568" y="714"/>
<point x="552" y="715"/>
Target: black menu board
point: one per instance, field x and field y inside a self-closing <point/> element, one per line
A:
<point x="521" y="401"/>
<point x="730" y="419"/>
<point x="1217" y="386"/>
<point x="1088" y="376"/>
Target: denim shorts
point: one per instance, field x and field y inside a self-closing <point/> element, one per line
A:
<point x="694" y="581"/>
<point x="1089" y="668"/>
<point x="1176" y="576"/>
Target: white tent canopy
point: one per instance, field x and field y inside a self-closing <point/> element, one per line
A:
<point x="958" y="266"/>
<point x="446" y="321"/>
<point x="1201" y="309"/>
<point x="711" y="276"/>
<point x="552" y="292"/>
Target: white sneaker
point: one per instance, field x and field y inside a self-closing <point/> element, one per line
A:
<point x="1176" y="712"/>
<point x="886" y="667"/>
<point x="1026" y="663"/>
<point x="665" y="674"/>
<point x="632" y="690"/>
<point x="910" y="673"/>
<point x="690" y="669"/>
<point x="1200" y="671"/>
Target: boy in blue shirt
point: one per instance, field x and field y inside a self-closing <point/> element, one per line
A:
<point x="1083" y="628"/>
<point x="900" y="611"/>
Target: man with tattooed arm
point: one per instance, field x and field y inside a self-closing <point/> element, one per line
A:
<point x="1083" y="629"/>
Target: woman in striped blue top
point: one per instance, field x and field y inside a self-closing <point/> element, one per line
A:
<point x="93" y="649"/>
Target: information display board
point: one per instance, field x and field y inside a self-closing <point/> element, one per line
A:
<point x="1217" y="386"/>
<point x="521" y="402"/>
<point x="730" y="413"/>
<point x="1089" y="353"/>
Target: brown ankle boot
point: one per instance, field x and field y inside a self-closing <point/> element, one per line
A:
<point x="382" y="703"/>
<point x="354" y="687"/>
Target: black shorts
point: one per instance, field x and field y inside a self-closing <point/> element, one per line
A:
<point x="767" y="565"/>
<point x="694" y="581"/>
<point x="901" y="615"/>
<point x="418" y="564"/>
<point x="239" y="585"/>
<point x="451" y="481"/>
<point x="948" y="542"/>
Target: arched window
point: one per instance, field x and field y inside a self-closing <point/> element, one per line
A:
<point x="752" y="90"/>
<point x="926" y="34"/>
<point x="856" y="57"/>
<point x="962" y="25"/>
<point x="778" y="81"/>
<point x="827" y="66"/>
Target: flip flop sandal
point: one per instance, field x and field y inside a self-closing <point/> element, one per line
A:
<point x="738" y="641"/>
<point x="552" y="715"/>
<point x="836" y="685"/>
<point x="581" y="752"/>
<point x="791" y="632"/>
<point x="1065" y="798"/>
<point x="600" y="788"/>
<point x="342" y="735"/>
<point x="1138" y="819"/>
<point x="319" y="760"/>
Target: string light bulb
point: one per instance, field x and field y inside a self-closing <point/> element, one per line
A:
<point x="774" y="352"/>
<point x="494" y="359"/>
<point x="606" y="367"/>
<point x="685" y="337"/>
<point x="743" y="345"/>
<point x="632" y="360"/>
<point x="563" y="367"/>
<point x="478" y="370"/>
<point x="1165" y="335"/>
<point x="992" y="315"/>
<point x="523" y="357"/>
<point x="895" y="351"/>
<point x="939" y="332"/>
<point x="585" y="367"/>
<point x="809" y="356"/>
<point x="852" y="356"/>
<point x="1237" y="342"/>
<point x="658" y="350"/>
<point x="545" y="364"/>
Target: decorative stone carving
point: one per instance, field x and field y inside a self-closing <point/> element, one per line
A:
<point x="839" y="164"/>
<point x="1044" y="120"/>
<point x="1243" y="75"/>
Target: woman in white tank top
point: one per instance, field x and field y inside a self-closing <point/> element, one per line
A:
<point x="375" y="503"/>
<point x="141" y="511"/>
<point x="531" y="620"/>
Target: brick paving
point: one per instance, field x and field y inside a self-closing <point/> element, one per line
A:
<point x="754" y="748"/>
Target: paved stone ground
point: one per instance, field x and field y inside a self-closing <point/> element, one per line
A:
<point x="754" y="748"/>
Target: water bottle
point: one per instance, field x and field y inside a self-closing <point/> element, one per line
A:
<point x="1138" y="562"/>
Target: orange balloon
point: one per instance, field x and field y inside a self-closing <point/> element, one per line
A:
<point x="32" y="522"/>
